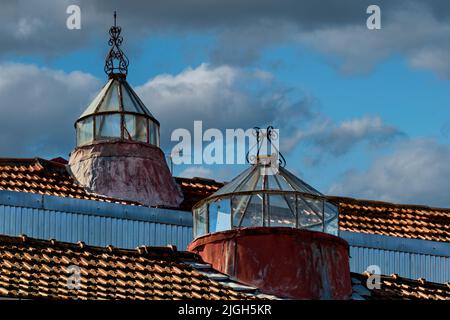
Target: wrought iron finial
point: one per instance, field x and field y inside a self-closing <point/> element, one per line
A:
<point x="116" y="61"/>
<point x="268" y="134"/>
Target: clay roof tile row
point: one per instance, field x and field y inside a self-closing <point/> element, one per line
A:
<point x="31" y="268"/>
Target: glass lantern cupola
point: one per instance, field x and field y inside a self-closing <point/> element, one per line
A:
<point x="265" y="195"/>
<point x="117" y="113"/>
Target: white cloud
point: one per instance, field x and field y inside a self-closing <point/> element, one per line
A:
<point x="38" y="107"/>
<point x="417" y="172"/>
<point x="328" y="138"/>
<point x="339" y="139"/>
<point x="222" y="97"/>
<point x="412" y="31"/>
<point x="196" y="171"/>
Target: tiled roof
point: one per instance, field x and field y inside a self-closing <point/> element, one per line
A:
<point x="405" y="221"/>
<point x="397" y="288"/>
<point x="31" y="268"/>
<point x="196" y="189"/>
<point x="45" y="177"/>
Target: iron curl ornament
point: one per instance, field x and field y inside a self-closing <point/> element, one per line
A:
<point x="116" y="61"/>
<point x="268" y="134"/>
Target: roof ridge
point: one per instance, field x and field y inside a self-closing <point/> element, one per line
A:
<point x="399" y="279"/>
<point x="170" y="250"/>
<point x="385" y="203"/>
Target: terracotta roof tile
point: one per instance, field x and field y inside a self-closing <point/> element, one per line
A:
<point x="394" y="287"/>
<point x="196" y="189"/>
<point x="44" y="177"/>
<point x="398" y="220"/>
<point x="31" y="268"/>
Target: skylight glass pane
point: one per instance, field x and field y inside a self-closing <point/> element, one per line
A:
<point x="219" y="216"/>
<point x="239" y="204"/>
<point x="231" y="186"/>
<point x="253" y="216"/>
<point x="94" y="104"/>
<point x="129" y="103"/>
<point x="85" y="131"/>
<point x="249" y="184"/>
<point x="298" y="184"/>
<point x="200" y="221"/>
<point x="107" y="126"/>
<point x="152" y="134"/>
<point x="309" y="213"/>
<point x="280" y="214"/>
<point x="111" y="100"/>
<point x="135" y="128"/>
<point x="282" y="183"/>
<point x="158" y="139"/>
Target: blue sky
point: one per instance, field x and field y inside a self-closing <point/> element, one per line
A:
<point x="375" y="115"/>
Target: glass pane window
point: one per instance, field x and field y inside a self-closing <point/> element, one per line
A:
<point x="85" y="131"/>
<point x="219" y="216"/>
<point x="253" y="216"/>
<point x="111" y="100"/>
<point x="107" y="126"/>
<point x="129" y="102"/>
<point x="153" y="133"/>
<point x="135" y="128"/>
<point x="200" y="221"/>
<point x="157" y="135"/>
<point x="309" y="213"/>
<point x="281" y="211"/>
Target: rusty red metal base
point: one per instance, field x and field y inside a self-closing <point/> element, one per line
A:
<point x="126" y="170"/>
<point x="287" y="262"/>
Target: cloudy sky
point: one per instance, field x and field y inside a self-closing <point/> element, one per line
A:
<point x="362" y="113"/>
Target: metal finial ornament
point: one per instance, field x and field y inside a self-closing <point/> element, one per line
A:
<point x="269" y="134"/>
<point x="116" y="61"/>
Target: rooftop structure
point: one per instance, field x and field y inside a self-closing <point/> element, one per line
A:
<point x="266" y="195"/>
<point x="117" y="153"/>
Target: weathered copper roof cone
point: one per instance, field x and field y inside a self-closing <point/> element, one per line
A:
<point x="270" y="229"/>
<point x="117" y="153"/>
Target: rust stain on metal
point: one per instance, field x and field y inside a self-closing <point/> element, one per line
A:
<point x="286" y="262"/>
<point x="126" y="170"/>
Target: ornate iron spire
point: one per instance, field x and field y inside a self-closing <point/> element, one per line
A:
<point x="268" y="134"/>
<point x="116" y="61"/>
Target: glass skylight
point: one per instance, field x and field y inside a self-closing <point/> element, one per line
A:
<point x="117" y="113"/>
<point x="260" y="198"/>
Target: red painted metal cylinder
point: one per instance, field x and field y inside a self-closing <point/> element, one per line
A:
<point x="286" y="262"/>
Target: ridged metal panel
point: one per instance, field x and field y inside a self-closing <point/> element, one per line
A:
<point x="405" y="264"/>
<point x="92" y="229"/>
<point x="409" y="258"/>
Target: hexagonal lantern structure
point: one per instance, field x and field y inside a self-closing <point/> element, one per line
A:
<point x="269" y="229"/>
<point x="117" y="113"/>
<point x="262" y="197"/>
